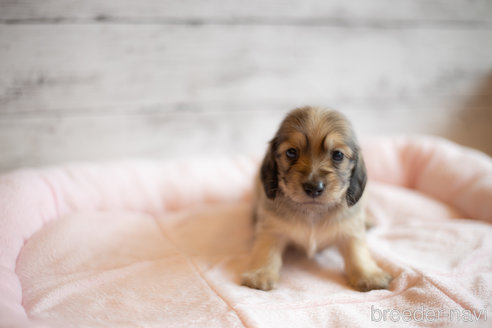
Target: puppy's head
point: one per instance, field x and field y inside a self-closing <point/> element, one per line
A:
<point x="314" y="159"/>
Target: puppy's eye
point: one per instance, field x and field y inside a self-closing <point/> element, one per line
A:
<point x="337" y="156"/>
<point x="291" y="153"/>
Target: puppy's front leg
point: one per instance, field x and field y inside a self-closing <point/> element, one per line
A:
<point x="363" y="273"/>
<point x="266" y="262"/>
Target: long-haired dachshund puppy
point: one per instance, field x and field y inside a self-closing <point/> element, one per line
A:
<point x="308" y="193"/>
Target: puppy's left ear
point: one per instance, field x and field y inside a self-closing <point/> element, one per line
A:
<point x="358" y="180"/>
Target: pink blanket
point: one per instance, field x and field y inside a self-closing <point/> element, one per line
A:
<point x="152" y="244"/>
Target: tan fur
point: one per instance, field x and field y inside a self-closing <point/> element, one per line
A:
<point x="286" y="214"/>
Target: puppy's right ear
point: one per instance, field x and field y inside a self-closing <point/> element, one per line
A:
<point x="269" y="171"/>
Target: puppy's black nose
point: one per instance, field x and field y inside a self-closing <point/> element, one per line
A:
<point x="313" y="189"/>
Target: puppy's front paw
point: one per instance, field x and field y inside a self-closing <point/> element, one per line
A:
<point x="370" y="280"/>
<point x="262" y="278"/>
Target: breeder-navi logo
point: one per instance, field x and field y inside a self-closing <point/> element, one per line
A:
<point x="423" y="314"/>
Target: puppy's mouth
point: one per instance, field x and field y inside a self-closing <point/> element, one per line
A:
<point x="313" y="202"/>
<point x="302" y="200"/>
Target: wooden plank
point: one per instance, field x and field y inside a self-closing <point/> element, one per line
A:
<point x="239" y="12"/>
<point x="96" y="69"/>
<point x="33" y="141"/>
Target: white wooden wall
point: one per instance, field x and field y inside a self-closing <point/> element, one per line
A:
<point x="101" y="80"/>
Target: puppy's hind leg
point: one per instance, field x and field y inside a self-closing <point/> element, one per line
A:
<point x="265" y="263"/>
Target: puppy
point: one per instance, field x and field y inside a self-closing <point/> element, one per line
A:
<point x="308" y="194"/>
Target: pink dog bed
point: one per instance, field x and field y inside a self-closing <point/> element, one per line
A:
<point x="152" y="244"/>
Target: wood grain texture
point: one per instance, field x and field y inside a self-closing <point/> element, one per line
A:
<point x="100" y="69"/>
<point x="101" y="80"/>
<point x="376" y="13"/>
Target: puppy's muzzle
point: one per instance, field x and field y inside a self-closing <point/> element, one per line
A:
<point x="313" y="188"/>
